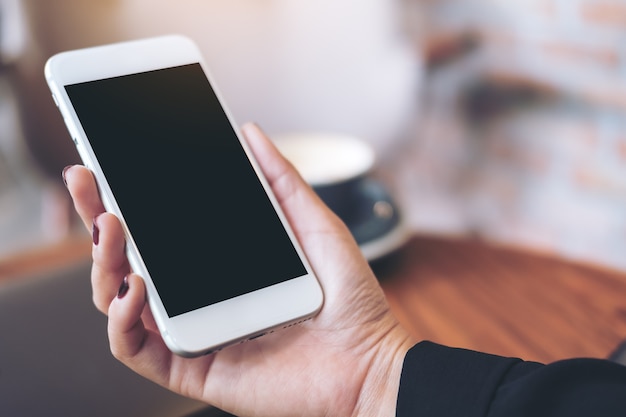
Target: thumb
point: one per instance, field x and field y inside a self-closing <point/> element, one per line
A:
<point x="280" y="173"/>
<point x="302" y="206"/>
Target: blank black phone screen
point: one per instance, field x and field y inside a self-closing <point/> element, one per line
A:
<point x="204" y="226"/>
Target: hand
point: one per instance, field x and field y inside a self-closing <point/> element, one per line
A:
<point x="345" y="361"/>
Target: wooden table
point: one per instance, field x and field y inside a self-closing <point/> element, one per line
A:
<point x="50" y="257"/>
<point x="510" y="302"/>
<point x="468" y="294"/>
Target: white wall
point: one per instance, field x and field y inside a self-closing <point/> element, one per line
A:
<point x="287" y="64"/>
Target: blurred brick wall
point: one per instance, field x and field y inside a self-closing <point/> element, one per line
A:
<point x="523" y="139"/>
<point x="578" y="46"/>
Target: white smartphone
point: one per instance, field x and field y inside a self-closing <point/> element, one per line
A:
<point x="220" y="262"/>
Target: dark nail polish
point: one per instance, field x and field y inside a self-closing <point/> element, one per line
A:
<point x="64" y="172"/>
<point x="95" y="232"/>
<point x="123" y="288"/>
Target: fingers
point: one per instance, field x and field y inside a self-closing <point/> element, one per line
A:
<point x="131" y="342"/>
<point x="82" y="187"/>
<point x="123" y="299"/>
<point x="126" y="330"/>
<point x="110" y="264"/>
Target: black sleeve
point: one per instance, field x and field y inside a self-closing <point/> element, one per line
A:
<point x="448" y="382"/>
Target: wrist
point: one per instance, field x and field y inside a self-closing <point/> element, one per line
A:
<point x="379" y="392"/>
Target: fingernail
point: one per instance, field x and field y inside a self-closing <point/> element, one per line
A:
<point x="123" y="288"/>
<point x="95" y="232"/>
<point x="64" y="172"/>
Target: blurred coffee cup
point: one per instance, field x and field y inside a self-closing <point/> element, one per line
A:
<point x="332" y="164"/>
<point x="340" y="170"/>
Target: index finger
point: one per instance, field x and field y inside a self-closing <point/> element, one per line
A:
<point x="84" y="192"/>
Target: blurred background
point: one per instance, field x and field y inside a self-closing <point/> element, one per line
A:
<point x="490" y="118"/>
